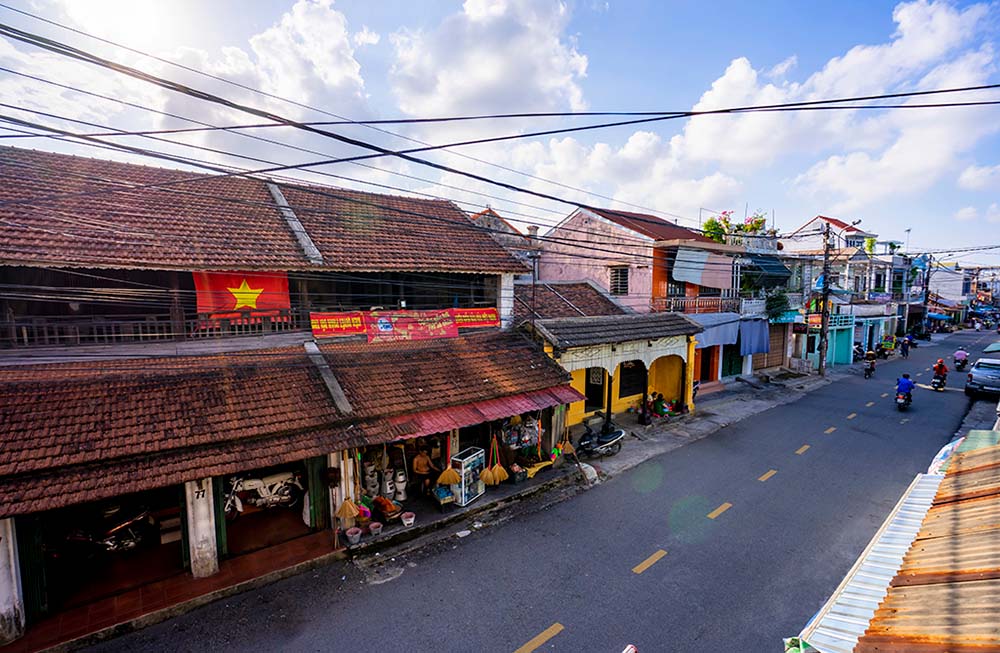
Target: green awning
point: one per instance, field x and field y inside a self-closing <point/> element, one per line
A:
<point x="765" y="271"/>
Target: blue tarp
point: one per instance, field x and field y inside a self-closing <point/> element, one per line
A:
<point x="720" y="328"/>
<point x="938" y="316"/>
<point x="754" y="337"/>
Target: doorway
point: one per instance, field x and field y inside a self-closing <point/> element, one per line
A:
<point x="594" y="390"/>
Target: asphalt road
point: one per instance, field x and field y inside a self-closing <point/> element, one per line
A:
<point x="565" y="578"/>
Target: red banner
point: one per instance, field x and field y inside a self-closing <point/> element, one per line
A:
<point x="329" y="325"/>
<point x="225" y="294"/>
<point x="475" y="317"/>
<point x="410" y="325"/>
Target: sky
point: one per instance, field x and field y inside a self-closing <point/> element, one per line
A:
<point x="933" y="171"/>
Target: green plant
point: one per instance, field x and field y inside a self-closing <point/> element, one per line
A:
<point x="717" y="228"/>
<point x="870" y="246"/>
<point x="776" y="304"/>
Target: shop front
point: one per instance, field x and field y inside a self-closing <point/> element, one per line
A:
<point x="618" y="362"/>
<point x="840" y="347"/>
<point x="717" y="353"/>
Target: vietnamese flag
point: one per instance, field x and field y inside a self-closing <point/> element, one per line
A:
<point x="259" y="293"/>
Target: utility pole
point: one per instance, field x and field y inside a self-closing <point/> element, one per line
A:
<point x="824" y="329"/>
<point x="927" y="289"/>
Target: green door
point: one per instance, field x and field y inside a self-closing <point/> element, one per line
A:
<point x="319" y="493"/>
<point x="732" y="362"/>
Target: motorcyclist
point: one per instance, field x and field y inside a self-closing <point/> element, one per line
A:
<point x="961" y="355"/>
<point x="905" y="386"/>
<point x="940" y="369"/>
<point x="904" y="347"/>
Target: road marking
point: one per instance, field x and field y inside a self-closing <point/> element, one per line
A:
<point x="870" y="404"/>
<point x="904" y="420"/>
<point x="768" y="475"/>
<point x="830" y="430"/>
<point x="801" y="450"/>
<point x="920" y="373"/>
<point x="648" y="562"/>
<point x="852" y="416"/>
<point x="718" y="511"/>
<point x="927" y="369"/>
<point x="885" y="394"/>
<point x="541" y="638"/>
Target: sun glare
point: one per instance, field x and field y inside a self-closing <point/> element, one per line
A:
<point x="139" y="23"/>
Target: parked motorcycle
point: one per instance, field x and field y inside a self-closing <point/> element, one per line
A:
<point x="938" y="382"/>
<point x="869" y="369"/>
<point x="903" y="401"/>
<point x="275" y="490"/>
<point x="119" y="530"/>
<point x="594" y="444"/>
<point x="858" y="352"/>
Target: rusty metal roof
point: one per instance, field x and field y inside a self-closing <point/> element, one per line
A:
<point x="946" y="596"/>
<point x="844" y="618"/>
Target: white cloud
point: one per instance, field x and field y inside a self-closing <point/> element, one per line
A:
<point x="993" y="213"/>
<point x="494" y="56"/>
<point x="980" y="178"/>
<point x="966" y="214"/>
<point x="366" y="37"/>
<point x="783" y="68"/>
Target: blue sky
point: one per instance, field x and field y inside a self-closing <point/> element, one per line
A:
<point x="935" y="171"/>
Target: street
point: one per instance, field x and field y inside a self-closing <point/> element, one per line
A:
<point x="729" y="543"/>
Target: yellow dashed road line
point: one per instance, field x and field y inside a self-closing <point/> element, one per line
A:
<point x="885" y="394"/>
<point x="541" y="638"/>
<point x="768" y="475"/>
<point x="801" y="450"/>
<point x="870" y="404"/>
<point x="648" y="562"/>
<point x="852" y="416"/>
<point x="718" y="511"/>
<point x="830" y="430"/>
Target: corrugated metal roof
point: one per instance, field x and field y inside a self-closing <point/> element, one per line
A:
<point x="845" y="616"/>
<point x="946" y="596"/>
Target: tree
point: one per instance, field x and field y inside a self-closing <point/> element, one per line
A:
<point x="869" y="246"/>
<point x="776" y="303"/>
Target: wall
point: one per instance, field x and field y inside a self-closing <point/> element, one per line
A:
<point x="666" y="375"/>
<point x="566" y="262"/>
<point x="947" y="283"/>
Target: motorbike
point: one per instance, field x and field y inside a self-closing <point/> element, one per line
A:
<point x="594" y="444"/>
<point x="859" y="353"/>
<point x="938" y="382"/>
<point x="869" y="369"/>
<point x="119" y="531"/>
<point x="283" y="489"/>
<point x="961" y="364"/>
<point x="903" y="401"/>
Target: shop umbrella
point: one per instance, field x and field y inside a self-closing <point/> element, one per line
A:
<point x="992" y="349"/>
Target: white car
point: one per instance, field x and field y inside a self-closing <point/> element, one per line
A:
<point x="984" y="377"/>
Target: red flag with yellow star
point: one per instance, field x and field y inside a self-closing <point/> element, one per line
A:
<point x="221" y="294"/>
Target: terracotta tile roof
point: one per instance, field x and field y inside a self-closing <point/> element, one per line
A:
<point x="366" y="232"/>
<point x="650" y="225"/>
<point x="228" y="223"/>
<point x="393" y="378"/>
<point x="946" y="596"/>
<point x="581" y="331"/>
<point x="78" y="432"/>
<point x="563" y="299"/>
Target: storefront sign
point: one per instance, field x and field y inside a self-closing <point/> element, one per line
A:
<point x="799" y="328"/>
<point x="402" y="325"/>
<point x="409" y="325"/>
<point x="327" y="325"/>
<point x="475" y="317"/>
<point x="814" y="320"/>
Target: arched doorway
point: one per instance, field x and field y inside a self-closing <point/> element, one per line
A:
<point x="666" y="376"/>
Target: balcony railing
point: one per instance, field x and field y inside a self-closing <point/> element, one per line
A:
<point x="695" y="304"/>
<point x="795" y="300"/>
<point x="753" y="307"/>
<point x="55" y="331"/>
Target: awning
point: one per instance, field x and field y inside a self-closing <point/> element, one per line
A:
<point x="938" y="316"/>
<point x="755" y="337"/>
<point x="441" y="420"/>
<point x="703" y="268"/>
<point x="765" y="271"/>
<point x="720" y="328"/>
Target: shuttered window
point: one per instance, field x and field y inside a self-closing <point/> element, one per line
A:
<point x="619" y="280"/>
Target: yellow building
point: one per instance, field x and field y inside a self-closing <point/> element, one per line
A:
<point x="616" y="359"/>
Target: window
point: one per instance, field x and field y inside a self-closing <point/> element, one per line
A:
<point x="676" y="288"/>
<point x="619" y="280"/>
<point x="633" y="378"/>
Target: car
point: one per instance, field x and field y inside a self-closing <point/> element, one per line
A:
<point x="984" y="377"/>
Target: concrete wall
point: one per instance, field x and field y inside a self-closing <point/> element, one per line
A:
<point x="615" y="245"/>
<point x="947" y="283"/>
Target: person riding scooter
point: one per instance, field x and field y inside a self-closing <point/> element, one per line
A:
<point x="961" y="359"/>
<point x="905" y="386"/>
<point x="940" y="369"/>
<point x="870" y="357"/>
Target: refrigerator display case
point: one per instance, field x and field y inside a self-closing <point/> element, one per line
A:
<point x="468" y="463"/>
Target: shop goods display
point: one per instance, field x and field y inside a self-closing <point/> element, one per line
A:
<point x="469" y="463"/>
<point x="498" y="473"/>
<point x="375" y="528"/>
<point x="400" y="482"/>
<point x="408" y="518"/>
<point x="449" y="476"/>
<point x="353" y="535"/>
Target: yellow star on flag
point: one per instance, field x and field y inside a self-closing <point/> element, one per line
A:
<point x="245" y="295"/>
